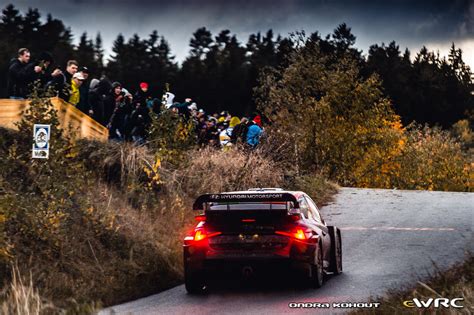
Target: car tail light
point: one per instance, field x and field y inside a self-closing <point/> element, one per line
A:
<point x="201" y="234"/>
<point x="298" y="234"/>
<point x="200" y="218"/>
<point x="295" y="217"/>
<point x="248" y="220"/>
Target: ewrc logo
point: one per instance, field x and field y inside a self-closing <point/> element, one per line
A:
<point x="436" y="303"/>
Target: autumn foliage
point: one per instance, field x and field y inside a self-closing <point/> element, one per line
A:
<point x="341" y="124"/>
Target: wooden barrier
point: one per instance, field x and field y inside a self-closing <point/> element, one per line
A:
<point x="69" y="116"/>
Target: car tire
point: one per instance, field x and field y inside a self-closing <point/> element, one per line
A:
<point x="317" y="273"/>
<point x="336" y="250"/>
<point x="194" y="283"/>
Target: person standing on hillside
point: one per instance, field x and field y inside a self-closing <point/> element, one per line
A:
<point x="142" y="96"/>
<point x="239" y="132"/>
<point x="139" y="122"/>
<point x="62" y="83"/>
<point x="119" y="100"/>
<point x="255" y="132"/>
<point x="84" y="105"/>
<point x="20" y="73"/>
<point x="74" y="93"/>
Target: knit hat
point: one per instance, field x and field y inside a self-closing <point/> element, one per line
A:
<point x="143" y="85"/>
<point x="258" y="120"/>
<point x="234" y="121"/>
<point x="116" y="84"/>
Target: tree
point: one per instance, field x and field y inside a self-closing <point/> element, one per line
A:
<point x="99" y="54"/>
<point x="335" y="121"/>
<point x="200" y="43"/>
<point x="85" y="53"/>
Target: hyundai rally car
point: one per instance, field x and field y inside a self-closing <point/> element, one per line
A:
<point x="255" y="230"/>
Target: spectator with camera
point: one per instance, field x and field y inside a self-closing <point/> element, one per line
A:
<point x="118" y="104"/>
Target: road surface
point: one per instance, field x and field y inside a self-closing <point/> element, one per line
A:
<point x="390" y="238"/>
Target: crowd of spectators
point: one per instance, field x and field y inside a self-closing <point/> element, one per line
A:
<point x="126" y="115"/>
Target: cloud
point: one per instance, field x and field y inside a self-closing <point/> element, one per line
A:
<point x="410" y="23"/>
<point x="466" y="28"/>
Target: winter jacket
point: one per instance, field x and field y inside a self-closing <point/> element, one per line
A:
<point x="83" y="104"/>
<point x="224" y="136"/>
<point x="239" y="132"/>
<point x="141" y="97"/>
<point x="139" y="121"/>
<point x="74" y="94"/>
<point x="20" y="75"/>
<point x="120" y="117"/>
<point x="253" y="135"/>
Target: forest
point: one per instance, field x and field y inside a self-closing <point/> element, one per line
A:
<point x="221" y="72"/>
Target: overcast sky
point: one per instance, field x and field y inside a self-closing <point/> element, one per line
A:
<point x="412" y="24"/>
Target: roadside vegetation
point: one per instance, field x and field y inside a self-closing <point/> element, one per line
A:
<point x="456" y="282"/>
<point x="98" y="223"/>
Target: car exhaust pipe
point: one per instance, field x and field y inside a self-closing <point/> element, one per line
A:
<point x="247" y="272"/>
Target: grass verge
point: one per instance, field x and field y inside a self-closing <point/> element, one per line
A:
<point x="456" y="282"/>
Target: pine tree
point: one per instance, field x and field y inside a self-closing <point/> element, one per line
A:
<point x="99" y="54"/>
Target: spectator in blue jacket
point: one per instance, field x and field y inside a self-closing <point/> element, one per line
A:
<point x="255" y="132"/>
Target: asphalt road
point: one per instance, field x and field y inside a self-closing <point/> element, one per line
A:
<point x="390" y="238"/>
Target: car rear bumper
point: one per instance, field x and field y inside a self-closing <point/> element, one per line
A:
<point x="297" y="257"/>
<point x="262" y="267"/>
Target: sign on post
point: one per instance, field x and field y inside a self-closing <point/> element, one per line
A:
<point x="41" y="135"/>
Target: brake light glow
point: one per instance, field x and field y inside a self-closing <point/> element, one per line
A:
<point x="298" y="234"/>
<point x="199" y="235"/>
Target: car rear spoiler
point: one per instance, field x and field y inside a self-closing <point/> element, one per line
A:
<point x="252" y="197"/>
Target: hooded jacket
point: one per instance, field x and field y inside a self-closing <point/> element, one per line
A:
<point x="253" y="135"/>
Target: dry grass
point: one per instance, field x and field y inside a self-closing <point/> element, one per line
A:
<point x="456" y="282"/>
<point x="209" y="170"/>
<point x="22" y="298"/>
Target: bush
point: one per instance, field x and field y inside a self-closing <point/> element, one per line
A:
<point x="316" y="186"/>
<point x="432" y="160"/>
<point x="170" y="136"/>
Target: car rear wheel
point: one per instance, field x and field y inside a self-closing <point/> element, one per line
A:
<point x="317" y="275"/>
<point x="194" y="283"/>
<point x="336" y="251"/>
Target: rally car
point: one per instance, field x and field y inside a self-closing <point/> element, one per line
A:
<point x="255" y="230"/>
